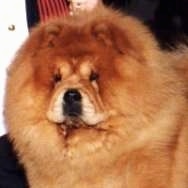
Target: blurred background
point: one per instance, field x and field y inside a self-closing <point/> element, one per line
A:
<point x="168" y="19"/>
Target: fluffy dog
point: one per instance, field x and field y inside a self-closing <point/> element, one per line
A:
<point x="91" y="101"/>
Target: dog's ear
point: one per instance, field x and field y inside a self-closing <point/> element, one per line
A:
<point x="110" y="35"/>
<point x="41" y="37"/>
<point x="51" y="33"/>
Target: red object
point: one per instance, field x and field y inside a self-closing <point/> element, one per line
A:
<point x="52" y="8"/>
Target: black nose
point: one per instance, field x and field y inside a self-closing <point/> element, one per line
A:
<point x="72" y="103"/>
<point x="72" y="95"/>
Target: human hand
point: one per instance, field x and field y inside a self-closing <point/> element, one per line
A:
<point x="82" y="5"/>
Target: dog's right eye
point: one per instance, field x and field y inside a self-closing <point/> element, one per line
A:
<point x="93" y="76"/>
<point x="57" y="77"/>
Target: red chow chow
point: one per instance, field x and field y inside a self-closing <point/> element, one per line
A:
<point x="92" y="102"/>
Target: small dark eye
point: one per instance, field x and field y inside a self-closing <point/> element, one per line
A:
<point x="57" y="77"/>
<point x="93" y="76"/>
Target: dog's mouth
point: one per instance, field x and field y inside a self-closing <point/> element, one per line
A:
<point x="70" y="124"/>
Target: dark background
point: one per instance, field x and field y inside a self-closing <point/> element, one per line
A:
<point x="168" y="19"/>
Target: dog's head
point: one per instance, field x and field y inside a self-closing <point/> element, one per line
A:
<point x="80" y="71"/>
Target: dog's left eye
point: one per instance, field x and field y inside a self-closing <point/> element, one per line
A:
<point x="57" y="77"/>
<point x="93" y="76"/>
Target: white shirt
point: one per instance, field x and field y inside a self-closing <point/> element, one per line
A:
<point x="13" y="31"/>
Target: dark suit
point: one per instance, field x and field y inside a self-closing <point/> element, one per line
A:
<point x="11" y="172"/>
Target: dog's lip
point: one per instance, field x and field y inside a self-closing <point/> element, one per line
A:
<point x="68" y="131"/>
<point x="70" y="125"/>
<point x="65" y="130"/>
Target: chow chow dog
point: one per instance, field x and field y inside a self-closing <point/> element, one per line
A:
<point x="92" y="102"/>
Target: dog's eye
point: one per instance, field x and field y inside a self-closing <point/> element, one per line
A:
<point x="57" y="77"/>
<point x="93" y="76"/>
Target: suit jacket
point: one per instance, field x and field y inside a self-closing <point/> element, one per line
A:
<point x="12" y="174"/>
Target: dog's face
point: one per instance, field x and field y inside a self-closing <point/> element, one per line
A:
<point x="76" y="99"/>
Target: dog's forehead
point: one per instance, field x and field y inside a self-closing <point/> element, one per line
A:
<point x="83" y="66"/>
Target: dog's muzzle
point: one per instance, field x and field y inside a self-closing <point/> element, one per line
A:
<point x="73" y="105"/>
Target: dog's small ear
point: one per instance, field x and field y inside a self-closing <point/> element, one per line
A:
<point x="111" y="35"/>
<point x="52" y="31"/>
<point x="102" y="33"/>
